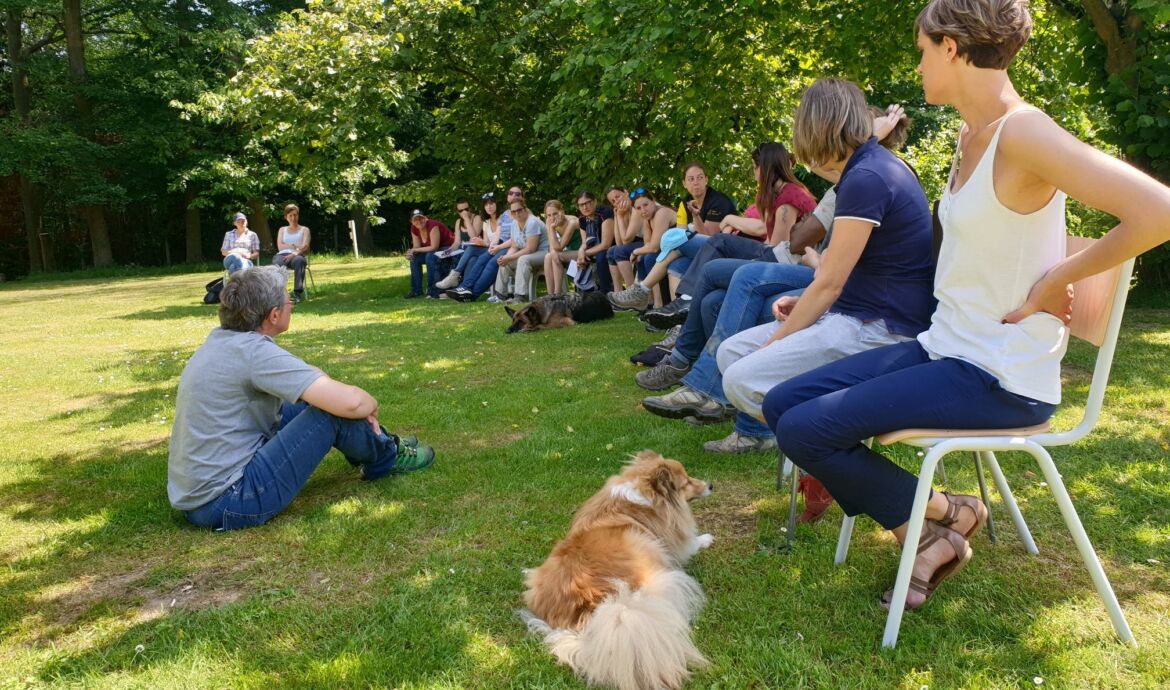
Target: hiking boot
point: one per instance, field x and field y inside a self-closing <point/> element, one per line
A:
<point x="737" y="443"/>
<point x="633" y="298"/>
<point x="670" y="339"/>
<point x="672" y="314"/>
<point x="685" y="402"/>
<point x="408" y="459"/>
<point x="692" y="420"/>
<point x="664" y="375"/>
<point x="450" y="281"/>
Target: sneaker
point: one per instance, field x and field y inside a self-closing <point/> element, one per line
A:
<point x="737" y="443"/>
<point x="450" y="281"/>
<point x="653" y="329"/>
<point x="413" y="295"/>
<point x="671" y="337"/>
<point x="664" y="375"/>
<point x="515" y="300"/>
<point x="461" y="295"/>
<point x="633" y="298"/>
<point x="686" y="402"/>
<point x="296" y="297"/>
<point x="495" y="299"/>
<point x="408" y="459"/>
<point x="432" y="297"/>
<point x="672" y="314"/>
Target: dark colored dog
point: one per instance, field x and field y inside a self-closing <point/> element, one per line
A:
<point x="554" y="311"/>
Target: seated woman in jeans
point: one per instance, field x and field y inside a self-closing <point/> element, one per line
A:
<point x="991" y="357"/>
<point x="473" y="226"/>
<point x="241" y="246"/>
<point x="253" y="421"/>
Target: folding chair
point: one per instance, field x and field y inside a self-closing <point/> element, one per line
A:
<point x="1097" y="313"/>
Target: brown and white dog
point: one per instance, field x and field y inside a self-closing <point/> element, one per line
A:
<point x="612" y="601"/>
<point x="555" y="311"/>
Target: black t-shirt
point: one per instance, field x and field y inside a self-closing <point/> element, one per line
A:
<point x="592" y="226"/>
<point x="716" y="205"/>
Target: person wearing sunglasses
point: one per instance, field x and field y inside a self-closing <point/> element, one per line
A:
<point x="469" y="224"/>
<point x="482" y="273"/>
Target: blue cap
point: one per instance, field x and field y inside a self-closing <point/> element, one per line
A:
<point x="671" y="239"/>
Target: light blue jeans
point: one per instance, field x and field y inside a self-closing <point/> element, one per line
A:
<point x="234" y="262"/>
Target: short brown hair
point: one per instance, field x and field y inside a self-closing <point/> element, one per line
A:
<point x="290" y="208"/>
<point x="694" y="164"/>
<point x="831" y="122"/>
<point x="988" y="33"/>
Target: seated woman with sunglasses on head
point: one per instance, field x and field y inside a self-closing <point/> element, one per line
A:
<point x="649" y="221"/>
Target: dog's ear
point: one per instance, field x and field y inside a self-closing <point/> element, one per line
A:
<point x="663" y="483"/>
<point x="510" y="312"/>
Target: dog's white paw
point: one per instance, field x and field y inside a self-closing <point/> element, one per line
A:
<point x="704" y="540"/>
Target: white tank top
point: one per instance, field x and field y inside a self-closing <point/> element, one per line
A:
<point x="291" y="237"/>
<point x="990" y="258"/>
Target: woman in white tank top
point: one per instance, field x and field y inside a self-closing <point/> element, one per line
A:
<point x="991" y="357"/>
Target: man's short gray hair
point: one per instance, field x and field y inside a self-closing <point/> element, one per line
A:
<point x="250" y="295"/>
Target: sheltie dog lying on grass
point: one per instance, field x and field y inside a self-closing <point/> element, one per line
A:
<point x="612" y="601"/>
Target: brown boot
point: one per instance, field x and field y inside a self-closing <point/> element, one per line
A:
<point x="817" y="499"/>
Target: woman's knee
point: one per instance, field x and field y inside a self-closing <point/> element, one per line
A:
<point x="736" y="381"/>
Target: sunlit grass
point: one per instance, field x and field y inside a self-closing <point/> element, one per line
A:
<point x="413" y="582"/>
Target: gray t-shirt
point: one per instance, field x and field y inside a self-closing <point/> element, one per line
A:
<point x="535" y="227"/>
<point x="227" y="407"/>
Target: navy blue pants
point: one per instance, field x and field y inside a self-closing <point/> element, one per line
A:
<point x="822" y="417"/>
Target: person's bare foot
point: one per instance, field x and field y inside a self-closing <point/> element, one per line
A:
<point x="942" y="552"/>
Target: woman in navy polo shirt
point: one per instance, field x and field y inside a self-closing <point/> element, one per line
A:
<point x="991" y="358"/>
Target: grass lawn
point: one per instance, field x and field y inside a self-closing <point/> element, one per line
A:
<point x="412" y="582"/>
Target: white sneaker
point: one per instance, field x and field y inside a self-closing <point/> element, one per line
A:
<point x="450" y="281"/>
<point x="495" y="299"/>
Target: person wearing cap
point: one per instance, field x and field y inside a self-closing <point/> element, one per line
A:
<point x="241" y="246"/>
<point x="292" y="245"/>
<point x="253" y="421"/>
<point x="428" y="237"/>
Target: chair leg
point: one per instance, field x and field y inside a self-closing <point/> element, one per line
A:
<point x="784" y="467"/>
<point x="843" y="537"/>
<point x="1088" y="555"/>
<point x="790" y="535"/>
<point x="910" y="547"/>
<point x="985" y="497"/>
<point x="309" y="273"/>
<point x="1009" y="501"/>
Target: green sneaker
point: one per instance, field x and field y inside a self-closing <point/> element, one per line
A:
<point x="408" y="458"/>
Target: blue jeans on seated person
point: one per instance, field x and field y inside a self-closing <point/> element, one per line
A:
<point x="687" y="253"/>
<point x="621" y="252"/>
<point x="471" y="252"/>
<point x="282" y="466"/>
<point x="751" y="288"/>
<point x="234" y="262"/>
<point x="821" y="419"/>
<point x="482" y="273"/>
<point x="431" y="261"/>
<point x="723" y="246"/>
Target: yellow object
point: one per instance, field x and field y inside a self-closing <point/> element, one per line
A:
<point x="681" y="220"/>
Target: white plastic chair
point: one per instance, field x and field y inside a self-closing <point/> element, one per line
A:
<point x="1097" y="311"/>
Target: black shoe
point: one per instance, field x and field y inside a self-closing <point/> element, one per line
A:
<point x="461" y="295"/>
<point x="297" y="297"/>
<point x="670" y="315"/>
<point x="413" y="295"/>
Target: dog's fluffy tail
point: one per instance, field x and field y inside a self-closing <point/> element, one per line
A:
<point x="635" y="640"/>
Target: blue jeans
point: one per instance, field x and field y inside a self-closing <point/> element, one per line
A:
<point x="278" y="471"/>
<point x="431" y="261"/>
<point x="723" y="246"/>
<point x="621" y="252"/>
<point x="482" y="274"/>
<point x="687" y="253"/>
<point x="470" y="253"/>
<point x="822" y="417"/>
<point x="233" y="263"/>
<point x="752" y="287"/>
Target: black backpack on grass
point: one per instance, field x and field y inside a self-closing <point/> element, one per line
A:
<point x="213" y="289"/>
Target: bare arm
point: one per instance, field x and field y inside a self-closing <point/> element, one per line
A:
<point x="340" y="399"/>
<point x="782" y="224"/>
<point x="746" y="226"/>
<point x="1054" y="158"/>
<point x="849" y="240"/>
<point x="807" y="233"/>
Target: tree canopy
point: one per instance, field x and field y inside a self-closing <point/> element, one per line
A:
<point x="163" y="117"/>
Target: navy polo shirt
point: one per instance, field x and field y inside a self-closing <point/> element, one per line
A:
<point x="894" y="276"/>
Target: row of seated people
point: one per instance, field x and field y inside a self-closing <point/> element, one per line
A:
<point x="241" y="247"/>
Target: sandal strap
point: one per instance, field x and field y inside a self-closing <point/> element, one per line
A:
<point x="952" y="514"/>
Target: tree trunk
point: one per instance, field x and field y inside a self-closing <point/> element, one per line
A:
<point x="22" y="100"/>
<point x="361" y="223"/>
<point x="258" y="221"/>
<point x="95" y="216"/>
<point x="1118" y="37"/>
<point x="194" y="225"/>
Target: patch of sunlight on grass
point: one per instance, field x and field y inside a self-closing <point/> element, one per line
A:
<point x="354" y="506"/>
<point x="916" y="680"/>
<point x="487" y="653"/>
<point x="1150" y="535"/>
<point x="333" y="672"/>
<point x="446" y="363"/>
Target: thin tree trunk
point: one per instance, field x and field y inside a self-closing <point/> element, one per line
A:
<point x="258" y="221"/>
<point x="95" y="216"/>
<point x="22" y="100"/>
<point x="194" y="225"/>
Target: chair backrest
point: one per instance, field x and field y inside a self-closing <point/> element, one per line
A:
<point x="1098" y="305"/>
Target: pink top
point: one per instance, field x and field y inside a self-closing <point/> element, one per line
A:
<point x="791" y="195"/>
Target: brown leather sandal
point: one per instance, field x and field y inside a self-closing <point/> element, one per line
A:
<point x="955" y="503"/>
<point x="933" y="532"/>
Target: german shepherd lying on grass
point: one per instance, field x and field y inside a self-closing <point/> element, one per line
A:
<point x="554" y="311"/>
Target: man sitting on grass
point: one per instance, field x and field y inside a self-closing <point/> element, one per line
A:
<point x="252" y="421"/>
